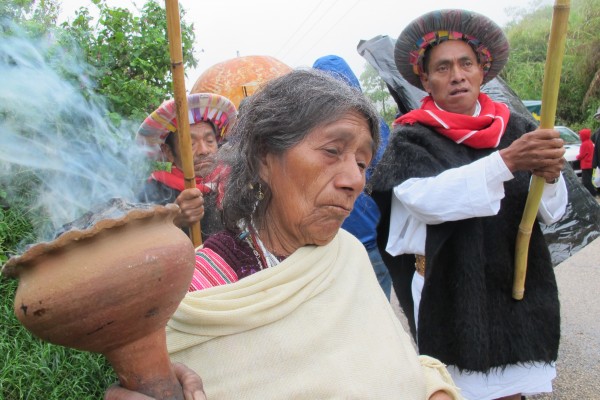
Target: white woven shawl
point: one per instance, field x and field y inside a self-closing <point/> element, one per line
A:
<point x="317" y="326"/>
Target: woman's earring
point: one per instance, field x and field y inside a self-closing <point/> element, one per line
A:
<point x="260" y="195"/>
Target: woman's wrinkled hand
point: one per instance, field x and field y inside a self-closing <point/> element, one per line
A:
<point x="440" y="395"/>
<point x="193" y="389"/>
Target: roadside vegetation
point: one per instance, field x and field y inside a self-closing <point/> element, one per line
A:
<point x="579" y="94"/>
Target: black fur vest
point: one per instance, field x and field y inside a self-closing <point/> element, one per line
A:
<point x="467" y="316"/>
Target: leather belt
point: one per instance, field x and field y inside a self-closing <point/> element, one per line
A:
<point x="420" y="264"/>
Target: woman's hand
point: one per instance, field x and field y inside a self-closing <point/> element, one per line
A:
<point x="193" y="389"/>
<point x="440" y="395"/>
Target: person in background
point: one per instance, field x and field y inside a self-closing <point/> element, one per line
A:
<point x="596" y="158"/>
<point x="304" y="316"/>
<point x="362" y="221"/>
<point x="210" y="115"/>
<point x="452" y="184"/>
<point x="585" y="157"/>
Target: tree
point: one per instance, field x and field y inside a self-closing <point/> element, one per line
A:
<point x="579" y="91"/>
<point x="590" y="67"/>
<point x="376" y="90"/>
<point x="528" y="39"/>
<point x="34" y="16"/>
<point x="130" y="54"/>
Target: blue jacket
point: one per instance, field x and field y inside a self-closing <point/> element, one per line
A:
<point x="362" y="221"/>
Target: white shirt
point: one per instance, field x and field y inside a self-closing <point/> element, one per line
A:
<point x="473" y="190"/>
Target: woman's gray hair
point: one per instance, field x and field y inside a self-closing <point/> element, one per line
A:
<point x="275" y="119"/>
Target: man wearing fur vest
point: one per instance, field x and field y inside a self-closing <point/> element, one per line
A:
<point x="451" y="188"/>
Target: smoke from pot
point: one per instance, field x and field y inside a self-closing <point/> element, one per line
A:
<point x="57" y="145"/>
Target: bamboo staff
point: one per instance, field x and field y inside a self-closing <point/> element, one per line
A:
<point x="554" y="57"/>
<point x="183" y="123"/>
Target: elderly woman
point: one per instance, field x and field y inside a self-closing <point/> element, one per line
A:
<point x="303" y="315"/>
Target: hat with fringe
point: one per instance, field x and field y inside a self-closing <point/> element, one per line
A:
<point x="485" y="37"/>
<point x="207" y="107"/>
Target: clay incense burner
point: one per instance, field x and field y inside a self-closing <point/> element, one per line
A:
<point x="110" y="289"/>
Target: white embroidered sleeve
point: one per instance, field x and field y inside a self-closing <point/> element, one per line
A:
<point x="554" y="202"/>
<point x="473" y="190"/>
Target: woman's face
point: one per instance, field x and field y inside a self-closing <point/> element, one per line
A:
<point x="315" y="183"/>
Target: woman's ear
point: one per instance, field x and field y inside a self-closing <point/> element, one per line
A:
<point x="265" y="165"/>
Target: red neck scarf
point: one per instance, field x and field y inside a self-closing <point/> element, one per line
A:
<point x="482" y="132"/>
<point x="213" y="182"/>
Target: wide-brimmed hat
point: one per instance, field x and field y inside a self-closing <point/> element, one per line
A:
<point x="208" y="107"/>
<point x="484" y="35"/>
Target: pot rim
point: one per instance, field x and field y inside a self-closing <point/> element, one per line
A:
<point x="12" y="266"/>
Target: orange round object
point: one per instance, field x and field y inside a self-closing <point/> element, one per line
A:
<point x="239" y="77"/>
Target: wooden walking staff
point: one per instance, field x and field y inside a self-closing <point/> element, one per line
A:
<point x="183" y="123"/>
<point x="554" y="57"/>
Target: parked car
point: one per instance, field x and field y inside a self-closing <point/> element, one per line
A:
<point x="572" y="143"/>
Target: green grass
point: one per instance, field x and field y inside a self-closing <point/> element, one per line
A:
<point x="14" y="228"/>
<point x="32" y="369"/>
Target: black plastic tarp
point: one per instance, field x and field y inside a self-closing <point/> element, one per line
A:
<point x="581" y="223"/>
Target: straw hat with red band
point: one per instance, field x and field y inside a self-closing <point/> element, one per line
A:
<point x="208" y="107"/>
<point x="485" y="37"/>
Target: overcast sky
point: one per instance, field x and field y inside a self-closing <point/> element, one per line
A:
<point x="298" y="32"/>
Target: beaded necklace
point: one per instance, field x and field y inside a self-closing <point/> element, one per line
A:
<point x="265" y="258"/>
<point x="270" y="259"/>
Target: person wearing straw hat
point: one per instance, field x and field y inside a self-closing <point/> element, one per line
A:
<point x="452" y="185"/>
<point x="210" y="116"/>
